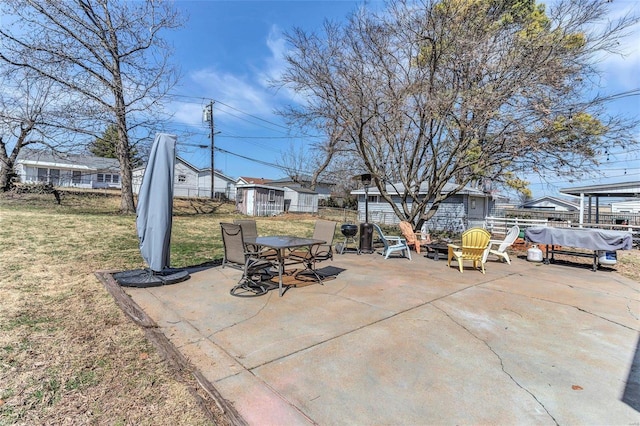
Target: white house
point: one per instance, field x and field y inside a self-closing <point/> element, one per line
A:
<point x="297" y="198"/>
<point x="629" y="206"/>
<point x="225" y="186"/>
<point x="190" y="181"/>
<point x="68" y="170"/>
<point x="468" y="208"/>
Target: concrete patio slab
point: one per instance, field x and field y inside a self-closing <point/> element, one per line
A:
<point x="414" y="342"/>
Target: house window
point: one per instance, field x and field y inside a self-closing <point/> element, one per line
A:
<point x="182" y="178"/>
<point x="272" y="195"/>
<point x="100" y="178"/>
<point x="115" y="178"/>
<point x="43" y="174"/>
<point x="76" y="176"/>
<point x="372" y="199"/>
<point x="54" y="176"/>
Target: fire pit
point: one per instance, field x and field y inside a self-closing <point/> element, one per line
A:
<point x="349" y="230"/>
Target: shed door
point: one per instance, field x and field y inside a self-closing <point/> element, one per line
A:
<point x="250" y="202"/>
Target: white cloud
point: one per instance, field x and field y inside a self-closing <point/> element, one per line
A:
<point x="275" y="64"/>
<point x="237" y="91"/>
<point x="187" y="113"/>
<point x="250" y="93"/>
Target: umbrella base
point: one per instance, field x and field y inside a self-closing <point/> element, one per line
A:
<point x="149" y="278"/>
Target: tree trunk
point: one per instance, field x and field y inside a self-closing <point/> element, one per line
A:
<point x="127" y="204"/>
<point x="6" y="174"/>
<point x="6" y="167"/>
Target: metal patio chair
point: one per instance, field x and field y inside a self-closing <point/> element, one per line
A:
<point x="250" y="230"/>
<point x="323" y="230"/>
<point x="256" y="271"/>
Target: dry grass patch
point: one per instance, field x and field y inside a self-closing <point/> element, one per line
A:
<point x="68" y="355"/>
<point x="628" y="264"/>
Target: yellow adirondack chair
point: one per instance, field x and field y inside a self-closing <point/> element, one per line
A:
<point x="475" y="243"/>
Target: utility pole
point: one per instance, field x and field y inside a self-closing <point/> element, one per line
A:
<point x="208" y="117"/>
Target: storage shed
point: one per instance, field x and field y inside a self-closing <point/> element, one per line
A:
<point x="300" y="200"/>
<point x="259" y="200"/>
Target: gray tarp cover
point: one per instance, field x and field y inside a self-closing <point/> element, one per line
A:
<point x="587" y="238"/>
<point x="155" y="203"/>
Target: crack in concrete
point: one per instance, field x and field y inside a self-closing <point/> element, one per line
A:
<point x="501" y="362"/>
<point x="631" y="311"/>
<point x="379" y="320"/>
<point x="568" y="305"/>
<point x="601" y="317"/>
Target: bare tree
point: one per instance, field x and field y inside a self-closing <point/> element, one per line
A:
<point x="431" y="92"/>
<point x="309" y="165"/>
<point x="107" y="55"/>
<point x="30" y="114"/>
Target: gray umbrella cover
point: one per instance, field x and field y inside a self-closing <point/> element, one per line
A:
<point x="155" y="203"/>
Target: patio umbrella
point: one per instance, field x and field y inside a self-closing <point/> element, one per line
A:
<point x="154" y="218"/>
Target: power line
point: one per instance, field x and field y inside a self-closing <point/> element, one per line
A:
<point x="265" y="163"/>
<point x="269" y="137"/>
<point x="203" y="100"/>
<point x="253" y="116"/>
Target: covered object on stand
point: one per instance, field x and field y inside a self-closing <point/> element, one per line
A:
<point x="154" y="219"/>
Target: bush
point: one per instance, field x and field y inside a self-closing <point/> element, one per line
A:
<point x="37" y="188"/>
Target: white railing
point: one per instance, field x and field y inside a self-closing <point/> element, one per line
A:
<point x="501" y="225"/>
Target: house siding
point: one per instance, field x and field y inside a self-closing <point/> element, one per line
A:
<point x="625" y="207"/>
<point x="455" y="214"/>
<point x="191" y="182"/>
<point x="185" y="183"/>
<point x="300" y="202"/>
<point x="223" y="186"/>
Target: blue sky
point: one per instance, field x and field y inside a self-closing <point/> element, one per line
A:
<point x="228" y="51"/>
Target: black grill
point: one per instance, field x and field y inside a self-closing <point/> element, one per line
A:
<point x="349" y="230"/>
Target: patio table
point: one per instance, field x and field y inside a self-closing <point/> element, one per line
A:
<point x="280" y="243"/>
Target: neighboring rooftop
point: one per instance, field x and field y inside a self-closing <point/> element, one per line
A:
<point x="253" y="180"/>
<point x="622" y="189"/>
<point x="78" y="161"/>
